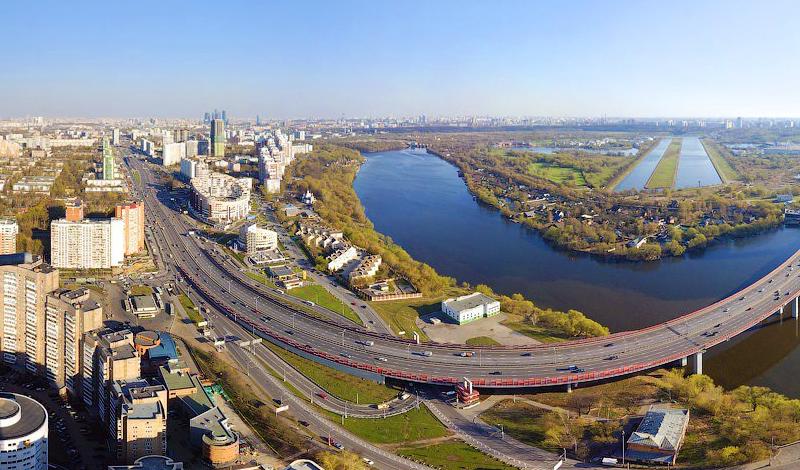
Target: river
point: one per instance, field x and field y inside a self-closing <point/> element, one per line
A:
<point x="420" y="202"/>
<point x="694" y="166"/>
<point x="638" y="177"/>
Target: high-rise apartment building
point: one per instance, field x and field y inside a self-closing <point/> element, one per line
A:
<point x="107" y="356"/>
<point x="132" y="216"/>
<point x="87" y="244"/>
<point x="115" y="136"/>
<point x="109" y="169"/>
<point x="74" y="210"/>
<point x="171" y="154"/>
<point x="218" y="138"/>
<point x="69" y="315"/>
<point x="8" y="236"/>
<point x="137" y="420"/>
<point x="26" y="281"/>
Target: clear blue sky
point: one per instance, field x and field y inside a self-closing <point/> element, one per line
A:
<point x="376" y="58"/>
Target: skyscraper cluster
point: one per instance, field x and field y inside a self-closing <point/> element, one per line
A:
<point x="214" y="115"/>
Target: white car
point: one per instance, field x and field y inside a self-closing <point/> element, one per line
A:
<point x="368" y="461"/>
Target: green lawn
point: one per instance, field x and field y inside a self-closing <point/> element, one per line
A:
<point x="413" y="425"/>
<point x="536" y="332"/>
<point x="664" y="174"/>
<point x="721" y="164"/>
<point x="454" y="455"/>
<point x="340" y="384"/>
<point x="191" y="309"/>
<point x="261" y="278"/>
<point x="520" y="421"/>
<point x="557" y="174"/>
<point x="137" y="177"/>
<point x="140" y="289"/>
<point x="481" y="341"/>
<point x="320" y="296"/>
<point x="401" y="315"/>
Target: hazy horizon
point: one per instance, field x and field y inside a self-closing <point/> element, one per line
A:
<point x="374" y="59"/>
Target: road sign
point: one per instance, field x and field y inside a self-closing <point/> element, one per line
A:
<point x="558" y="465"/>
<point x="281" y="408"/>
<point x="244" y="343"/>
<point x="255" y="341"/>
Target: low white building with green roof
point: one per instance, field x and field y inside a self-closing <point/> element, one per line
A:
<point x="470" y="307"/>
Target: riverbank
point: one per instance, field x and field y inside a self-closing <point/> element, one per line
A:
<point x="329" y="172"/>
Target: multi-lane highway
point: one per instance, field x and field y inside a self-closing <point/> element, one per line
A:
<point x="334" y="340"/>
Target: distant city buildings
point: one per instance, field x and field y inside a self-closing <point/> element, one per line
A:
<point x="109" y="167"/>
<point x="9" y="229"/>
<point x="172" y="153"/>
<point x="275" y="152"/>
<point x="23" y="433"/>
<point x="218" y="137"/>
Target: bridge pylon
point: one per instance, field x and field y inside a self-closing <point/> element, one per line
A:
<point x="696" y="363"/>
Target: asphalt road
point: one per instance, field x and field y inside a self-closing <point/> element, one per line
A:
<point x="274" y="317"/>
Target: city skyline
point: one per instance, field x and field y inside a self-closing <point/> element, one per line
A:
<point x="361" y="59"/>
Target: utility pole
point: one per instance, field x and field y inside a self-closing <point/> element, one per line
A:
<point x="623" y="446"/>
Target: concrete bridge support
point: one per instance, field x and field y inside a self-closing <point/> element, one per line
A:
<point x="684" y="361"/>
<point x="696" y="363"/>
<point x="794" y="308"/>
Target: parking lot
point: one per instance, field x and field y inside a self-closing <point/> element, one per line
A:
<point x="74" y="442"/>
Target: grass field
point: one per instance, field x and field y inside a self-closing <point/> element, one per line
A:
<point x="520" y="420"/>
<point x="320" y="296"/>
<point x="191" y="309"/>
<point x="453" y="455"/>
<point x="557" y="174"/>
<point x="401" y="315"/>
<point x="340" y="384"/>
<point x="261" y="278"/>
<point x="411" y="426"/>
<point x="536" y="332"/>
<point x="482" y="341"/>
<point x="140" y="289"/>
<point x="664" y="174"/>
<point x="721" y="164"/>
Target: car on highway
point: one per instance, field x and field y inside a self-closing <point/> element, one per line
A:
<point x="612" y="357"/>
<point x="381" y="358"/>
<point x="368" y="461"/>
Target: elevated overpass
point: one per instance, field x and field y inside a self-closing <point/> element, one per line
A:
<point x="334" y="341"/>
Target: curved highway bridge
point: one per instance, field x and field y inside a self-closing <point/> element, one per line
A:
<point x="334" y="341"/>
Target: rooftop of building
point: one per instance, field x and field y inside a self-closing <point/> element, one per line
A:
<point x="662" y="428"/>
<point x="20" y="416"/>
<point x="146" y="339"/>
<point x="143" y="303"/>
<point x="165" y="349"/>
<point x="304" y="464"/>
<point x="8" y="222"/>
<point x="468" y="301"/>
<point x="215" y="423"/>
<point x="150" y="462"/>
<point x="124" y="351"/>
<point x="177" y="380"/>
<point x="280" y="271"/>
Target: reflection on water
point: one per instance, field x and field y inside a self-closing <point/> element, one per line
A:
<point x="421" y="203"/>
<point x="638" y="177"/>
<point x="694" y="166"/>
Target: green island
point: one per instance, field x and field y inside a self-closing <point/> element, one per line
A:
<point x="452" y="455"/>
<point x="320" y="296"/>
<point x="664" y="174"/>
<point x="568" y="196"/>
